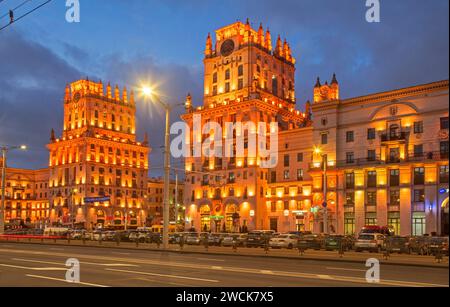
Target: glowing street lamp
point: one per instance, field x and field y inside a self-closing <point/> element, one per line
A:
<point x="318" y="151"/>
<point x="5" y="149"/>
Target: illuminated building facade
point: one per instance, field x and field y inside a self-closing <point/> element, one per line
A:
<point x="387" y="159"/>
<point x="386" y="153"/>
<point x="98" y="157"/>
<point x="27" y="196"/>
<point x="246" y="80"/>
<point x="155" y="194"/>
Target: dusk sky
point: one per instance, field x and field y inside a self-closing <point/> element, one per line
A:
<point x="162" y="41"/>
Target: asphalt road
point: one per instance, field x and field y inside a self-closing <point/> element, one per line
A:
<point x="44" y="265"/>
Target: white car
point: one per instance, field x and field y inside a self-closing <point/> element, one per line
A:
<point x="373" y="242"/>
<point x="289" y="241"/>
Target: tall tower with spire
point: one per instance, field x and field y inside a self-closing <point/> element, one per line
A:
<point x="245" y="80"/>
<point x="98" y="169"/>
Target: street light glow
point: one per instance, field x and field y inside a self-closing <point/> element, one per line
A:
<point x="23" y="147"/>
<point x="147" y="91"/>
<point x="317" y="150"/>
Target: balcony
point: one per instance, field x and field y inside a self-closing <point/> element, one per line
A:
<point x="418" y="207"/>
<point x="371" y="208"/>
<point x="388" y="137"/>
<point x="349" y="208"/>
<point x="318" y="166"/>
<point x="394" y="207"/>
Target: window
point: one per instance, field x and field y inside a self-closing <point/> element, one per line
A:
<point x="444" y="149"/>
<point x="419" y="175"/>
<point x="371" y="179"/>
<point x="418" y="127"/>
<point x="394" y="198"/>
<point x="324" y="138"/>
<point x="444" y="123"/>
<point x="286" y="205"/>
<point x="286" y="175"/>
<point x="275" y="86"/>
<point x="394" y="222"/>
<point x="371" y="155"/>
<point x="418" y="150"/>
<point x="350" y="136"/>
<point x="215" y="77"/>
<point x="419" y="196"/>
<point x="349" y="225"/>
<point x="286" y="160"/>
<point x="227" y="87"/>
<point x="240" y="84"/>
<point x="273" y="176"/>
<point x="300" y="157"/>
<point x="443" y="174"/>
<point x="418" y="224"/>
<point x="273" y="206"/>
<point x="350" y="157"/>
<point x="240" y="70"/>
<point x="300" y="174"/>
<point x="394" y="177"/>
<point x="349" y="180"/>
<point x="371" y="134"/>
<point x="372" y="198"/>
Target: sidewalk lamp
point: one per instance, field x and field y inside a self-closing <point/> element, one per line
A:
<point x="5" y="149"/>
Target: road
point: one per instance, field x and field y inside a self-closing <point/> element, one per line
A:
<point x="44" y="265"/>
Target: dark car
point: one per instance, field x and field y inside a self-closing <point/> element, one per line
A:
<point x="312" y="241"/>
<point x="258" y="238"/>
<point x="398" y="244"/>
<point x="334" y="242"/>
<point x="153" y="237"/>
<point x="418" y="245"/>
<point x="437" y="244"/>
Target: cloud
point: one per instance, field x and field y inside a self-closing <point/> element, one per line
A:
<point x="31" y="95"/>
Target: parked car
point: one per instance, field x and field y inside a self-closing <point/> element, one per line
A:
<point x="437" y="243"/>
<point x="259" y="238"/>
<point x="384" y="230"/>
<point x="284" y="241"/>
<point x="334" y="242"/>
<point x="312" y="241"/>
<point x="153" y="237"/>
<point x="373" y="242"/>
<point x="193" y="239"/>
<point x="398" y="244"/>
<point x="215" y="238"/>
<point x="418" y="245"/>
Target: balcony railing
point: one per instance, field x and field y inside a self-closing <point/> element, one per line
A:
<point x="349" y="208"/>
<point x="401" y="136"/>
<point x="393" y="207"/>
<point x="371" y="208"/>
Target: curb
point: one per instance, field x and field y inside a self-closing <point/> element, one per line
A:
<point x="382" y="261"/>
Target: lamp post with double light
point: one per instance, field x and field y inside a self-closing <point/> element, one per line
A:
<point x="5" y="149"/>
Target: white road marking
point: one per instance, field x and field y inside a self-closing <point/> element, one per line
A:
<point x="267" y="272"/>
<point x="33" y="269"/>
<point x="65" y="281"/>
<point x="163" y="275"/>
<point x="216" y="267"/>
<point x="211" y="259"/>
<point x="345" y="269"/>
<point x="81" y="262"/>
<point x="325" y="277"/>
<point x="197" y="266"/>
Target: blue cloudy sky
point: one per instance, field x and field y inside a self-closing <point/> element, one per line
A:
<point x="162" y="41"/>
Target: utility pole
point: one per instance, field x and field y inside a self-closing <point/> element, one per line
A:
<point x="325" y="204"/>
<point x="2" y="206"/>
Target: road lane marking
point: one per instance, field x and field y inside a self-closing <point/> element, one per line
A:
<point x="82" y="262"/>
<point x="211" y="259"/>
<point x="30" y="268"/>
<point x="325" y="277"/>
<point x="345" y="269"/>
<point x="197" y="266"/>
<point x="267" y="272"/>
<point x="163" y="275"/>
<point x="65" y="281"/>
<point x="216" y="267"/>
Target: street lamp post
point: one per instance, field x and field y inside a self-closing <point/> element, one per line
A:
<point x="166" y="211"/>
<point x="324" y="157"/>
<point x="5" y="150"/>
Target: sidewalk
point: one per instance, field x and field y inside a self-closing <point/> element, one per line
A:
<point x="394" y="259"/>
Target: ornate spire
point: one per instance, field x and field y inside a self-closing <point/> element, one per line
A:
<point x="67" y="95"/>
<point x="208" y="48"/>
<point x="268" y="40"/>
<point x="117" y="93"/>
<point x="108" y="91"/>
<point x="125" y="95"/>
<point x="145" y="142"/>
<point x="334" y="80"/>
<point x="279" y="48"/>
<point x="100" y="89"/>
<point x="261" y="35"/>
<point x="52" y="135"/>
<point x="132" y="97"/>
<point x="318" y="83"/>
